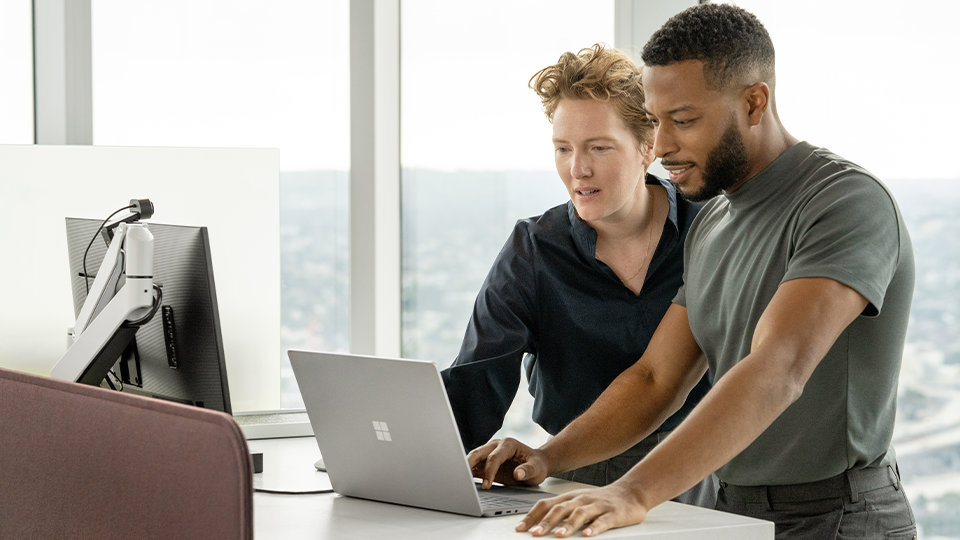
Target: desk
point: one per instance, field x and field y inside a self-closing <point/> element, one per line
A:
<point x="331" y="516"/>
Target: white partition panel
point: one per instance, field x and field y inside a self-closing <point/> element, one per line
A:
<point x="233" y="192"/>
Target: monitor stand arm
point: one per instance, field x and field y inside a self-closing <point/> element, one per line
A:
<point x="100" y="335"/>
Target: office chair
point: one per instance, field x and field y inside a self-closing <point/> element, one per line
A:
<point x="79" y="461"/>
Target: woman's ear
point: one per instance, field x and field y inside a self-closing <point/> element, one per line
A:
<point x="646" y="150"/>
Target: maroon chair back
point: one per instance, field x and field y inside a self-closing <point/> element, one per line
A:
<point x="78" y="461"/>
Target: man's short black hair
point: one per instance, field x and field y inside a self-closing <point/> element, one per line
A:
<point x="731" y="42"/>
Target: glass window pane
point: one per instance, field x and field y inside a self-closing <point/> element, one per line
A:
<point x="250" y="73"/>
<point x="16" y="64"/>
<point x="875" y="84"/>
<point x="476" y="150"/>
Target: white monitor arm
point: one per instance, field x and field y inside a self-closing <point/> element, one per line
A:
<point x="101" y="332"/>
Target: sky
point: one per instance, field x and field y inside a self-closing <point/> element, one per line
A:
<point x="875" y="81"/>
<point x="872" y="80"/>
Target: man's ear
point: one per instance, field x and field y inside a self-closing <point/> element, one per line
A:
<point x="757" y="99"/>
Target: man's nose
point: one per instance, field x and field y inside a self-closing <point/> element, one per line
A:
<point x="663" y="143"/>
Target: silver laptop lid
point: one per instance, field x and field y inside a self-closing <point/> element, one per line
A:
<point x="385" y="430"/>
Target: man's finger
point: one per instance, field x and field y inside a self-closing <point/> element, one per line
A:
<point x="525" y="472"/>
<point x="557" y="516"/>
<point x="491" y="466"/>
<point x="520" y="472"/>
<point x="476" y="456"/>
<point x="577" y="516"/>
<point x="601" y="523"/>
<point x="539" y="511"/>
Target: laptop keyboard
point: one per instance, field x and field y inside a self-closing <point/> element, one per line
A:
<point x="492" y="501"/>
<point x="247" y="419"/>
<point x="274" y="424"/>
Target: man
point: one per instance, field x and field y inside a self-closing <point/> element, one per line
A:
<point x="797" y="287"/>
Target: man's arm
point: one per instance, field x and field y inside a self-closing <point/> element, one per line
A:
<point x="798" y="327"/>
<point x="632" y="407"/>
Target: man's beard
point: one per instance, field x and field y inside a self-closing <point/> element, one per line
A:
<point x="726" y="165"/>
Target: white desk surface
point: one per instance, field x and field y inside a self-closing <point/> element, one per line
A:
<point x="288" y="466"/>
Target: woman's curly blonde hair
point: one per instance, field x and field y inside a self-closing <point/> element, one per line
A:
<point x="601" y="74"/>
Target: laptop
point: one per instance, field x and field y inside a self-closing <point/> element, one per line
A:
<point x="386" y="433"/>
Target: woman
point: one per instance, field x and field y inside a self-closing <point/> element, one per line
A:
<point x="577" y="292"/>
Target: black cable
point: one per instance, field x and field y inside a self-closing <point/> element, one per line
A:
<point x="86" y="276"/>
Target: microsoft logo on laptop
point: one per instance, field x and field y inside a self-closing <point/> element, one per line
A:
<point x="383" y="432"/>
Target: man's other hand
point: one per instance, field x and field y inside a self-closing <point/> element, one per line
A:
<point x="594" y="510"/>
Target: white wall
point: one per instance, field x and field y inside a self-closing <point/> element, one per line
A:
<point x="234" y="192"/>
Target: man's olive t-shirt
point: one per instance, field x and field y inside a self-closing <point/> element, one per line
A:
<point x="809" y="214"/>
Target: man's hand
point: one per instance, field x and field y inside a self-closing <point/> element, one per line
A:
<point x="595" y="510"/>
<point x="508" y="462"/>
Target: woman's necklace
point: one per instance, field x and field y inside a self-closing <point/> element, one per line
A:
<point x="645" y="262"/>
<point x="651" y="226"/>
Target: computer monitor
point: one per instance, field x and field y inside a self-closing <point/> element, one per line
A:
<point x="178" y="354"/>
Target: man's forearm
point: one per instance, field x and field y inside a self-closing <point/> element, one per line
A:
<point x="733" y="414"/>
<point x="630" y="409"/>
<point x="636" y="402"/>
<point x="798" y="327"/>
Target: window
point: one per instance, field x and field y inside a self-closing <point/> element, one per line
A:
<point x="871" y="82"/>
<point x="476" y="153"/>
<point x="251" y="73"/>
<point x="16" y="64"/>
